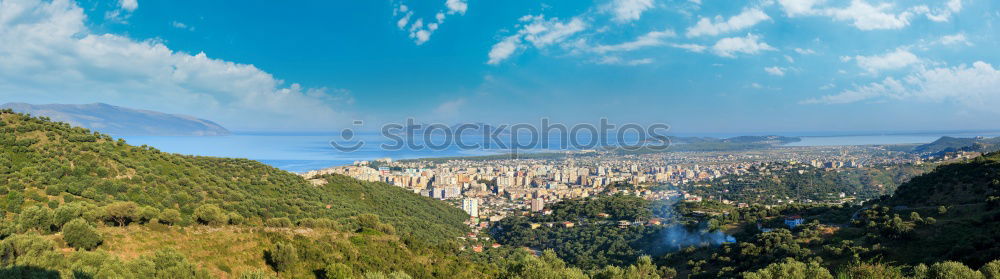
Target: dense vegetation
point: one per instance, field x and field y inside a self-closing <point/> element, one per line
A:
<point x="52" y="164"/>
<point x="942" y="224"/>
<point x="800" y="182"/>
<point x="65" y="187"/>
<point x="938" y="225"/>
<point x="585" y="232"/>
<point x="76" y="204"/>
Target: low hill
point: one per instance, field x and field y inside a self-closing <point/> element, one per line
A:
<point x="121" y="121"/>
<point x="952" y="144"/>
<point x="50" y="164"/>
<point x="968" y="182"/>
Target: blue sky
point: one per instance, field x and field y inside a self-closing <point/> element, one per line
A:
<point x="701" y="66"/>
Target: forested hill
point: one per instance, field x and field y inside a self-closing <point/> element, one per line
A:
<point x="50" y="164"/>
<point x="950" y="144"/>
<point x="970" y="182"/>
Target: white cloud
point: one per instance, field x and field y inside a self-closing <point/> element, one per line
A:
<point x="866" y="16"/>
<point x="942" y="14"/>
<point x="976" y="87"/>
<point x="615" y="60"/>
<point x="504" y="49"/>
<point x="795" y="8"/>
<point x="457" y="6"/>
<point x="655" y="38"/>
<point x="122" y="12"/>
<point x="50" y="55"/>
<point x="954" y="39"/>
<point x="628" y="10"/>
<point x="897" y="59"/>
<point x="775" y="71"/>
<point x="805" y="51"/>
<point x="729" y="47"/>
<point x="419" y="30"/>
<point x="690" y="47"/>
<point x="128" y="5"/>
<point x="537" y="31"/>
<point x="712" y="27"/>
<point x="181" y="25"/>
<point x="541" y="32"/>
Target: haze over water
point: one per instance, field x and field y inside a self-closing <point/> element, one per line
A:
<point x="300" y="152"/>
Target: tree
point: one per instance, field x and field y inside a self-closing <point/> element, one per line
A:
<point x="148" y="213"/>
<point x="170" y="216"/>
<point x="210" y="214"/>
<point x="643" y="269"/>
<point x="340" y="271"/>
<point x="952" y="270"/>
<point x="790" y="269"/>
<point x="547" y="266"/>
<point x="30" y="246"/>
<point x="284" y="257"/>
<point x="66" y="212"/>
<point x="81" y="235"/>
<point x="871" y="270"/>
<point x="36" y="218"/>
<point x="991" y="270"/>
<point x="122" y="213"/>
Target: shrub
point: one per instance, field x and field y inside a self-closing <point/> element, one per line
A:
<point x="65" y="213"/>
<point x="281" y="222"/>
<point x="991" y="270"/>
<point x="122" y="213"/>
<point x="171" y="264"/>
<point x="236" y="219"/>
<point x="947" y="270"/>
<point x="284" y="257"/>
<point x="170" y="216"/>
<point x="338" y="271"/>
<point x="24" y="245"/>
<point x="36" y="218"/>
<point x="81" y="235"/>
<point x="210" y="214"/>
<point x="148" y="213"/>
<point x="790" y="269"/>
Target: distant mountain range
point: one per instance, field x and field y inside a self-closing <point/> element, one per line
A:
<point x="121" y="121"/>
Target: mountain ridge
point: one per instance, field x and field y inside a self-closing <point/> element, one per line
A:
<point x="122" y="121"/>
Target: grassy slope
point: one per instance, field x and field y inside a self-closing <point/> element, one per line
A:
<point x="43" y="162"/>
<point x="228" y="251"/>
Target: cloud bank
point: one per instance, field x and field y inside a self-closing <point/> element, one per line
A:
<point x="50" y="56"/>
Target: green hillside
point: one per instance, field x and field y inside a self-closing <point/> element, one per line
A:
<point x="50" y="164"/>
<point x="937" y="225"/>
<point x="968" y="182"/>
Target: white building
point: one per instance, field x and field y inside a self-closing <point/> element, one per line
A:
<point x="471" y="206"/>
